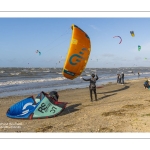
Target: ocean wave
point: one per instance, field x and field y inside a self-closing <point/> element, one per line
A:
<point x="12" y="82"/>
<point x="130" y="71"/>
<point x="146" y="73"/>
<point x="16" y="73"/>
<point x="2" y="71"/>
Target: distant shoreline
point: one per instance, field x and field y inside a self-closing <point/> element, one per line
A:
<point x="68" y="89"/>
<point x="32" y="81"/>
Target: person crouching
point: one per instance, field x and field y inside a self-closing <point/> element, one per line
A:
<point x="146" y="84"/>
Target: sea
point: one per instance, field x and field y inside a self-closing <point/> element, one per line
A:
<point x="30" y="81"/>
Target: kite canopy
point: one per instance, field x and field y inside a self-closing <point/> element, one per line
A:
<point x="139" y="47"/>
<point x="37" y="51"/>
<point x="132" y="33"/>
<point x="118" y="37"/>
<point x="78" y="53"/>
<point x="43" y="106"/>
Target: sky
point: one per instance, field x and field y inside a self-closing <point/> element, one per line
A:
<point x="21" y="37"/>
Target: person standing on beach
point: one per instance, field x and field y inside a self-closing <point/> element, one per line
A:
<point x="92" y="86"/>
<point x="117" y="78"/>
<point x="138" y="74"/>
<point x="122" y="78"/>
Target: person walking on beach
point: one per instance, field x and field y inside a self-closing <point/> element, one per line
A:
<point x="118" y="78"/>
<point x="122" y="78"/>
<point x="92" y="86"/>
<point x="138" y="74"/>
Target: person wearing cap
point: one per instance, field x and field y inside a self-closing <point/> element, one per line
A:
<point x="92" y="86"/>
<point x="122" y="78"/>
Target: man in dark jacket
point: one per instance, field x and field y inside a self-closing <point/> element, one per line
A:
<point x="122" y="78"/>
<point x="92" y="86"/>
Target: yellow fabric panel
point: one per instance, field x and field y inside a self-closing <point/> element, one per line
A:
<point x="78" y="53"/>
<point x="132" y="34"/>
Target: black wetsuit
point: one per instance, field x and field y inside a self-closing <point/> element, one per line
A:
<point x="122" y="78"/>
<point x="92" y="86"/>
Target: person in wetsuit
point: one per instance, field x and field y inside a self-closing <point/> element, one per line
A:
<point x="122" y="78"/>
<point x="138" y="74"/>
<point x="92" y="86"/>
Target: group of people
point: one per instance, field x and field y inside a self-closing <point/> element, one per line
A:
<point x="120" y="78"/>
<point x="94" y="78"/>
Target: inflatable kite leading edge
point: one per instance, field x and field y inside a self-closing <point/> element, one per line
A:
<point x="78" y="53"/>
<point x="43" y="106"/>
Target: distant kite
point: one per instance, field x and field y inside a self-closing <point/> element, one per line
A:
<point x="37" y="51"/>
<point x="132" y="33"/>
<point x="119" y="37"/>
<point x="139" y="47"/>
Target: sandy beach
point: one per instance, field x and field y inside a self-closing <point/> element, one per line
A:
<point x="119" y="108"/>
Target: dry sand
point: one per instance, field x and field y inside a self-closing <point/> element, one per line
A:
<point x="120" y="108"/>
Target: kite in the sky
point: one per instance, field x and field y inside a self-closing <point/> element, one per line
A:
<point x="139" y="47"/>
<point x="118" y="37"/>
<point x="37" y="51"/>
<point x="78" y="53"/>
<point x="132" y="33"/>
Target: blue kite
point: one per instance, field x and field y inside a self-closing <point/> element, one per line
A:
<point x="43" y="106"/>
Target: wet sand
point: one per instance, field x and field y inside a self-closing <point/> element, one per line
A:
<point x="119" y="108"/>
